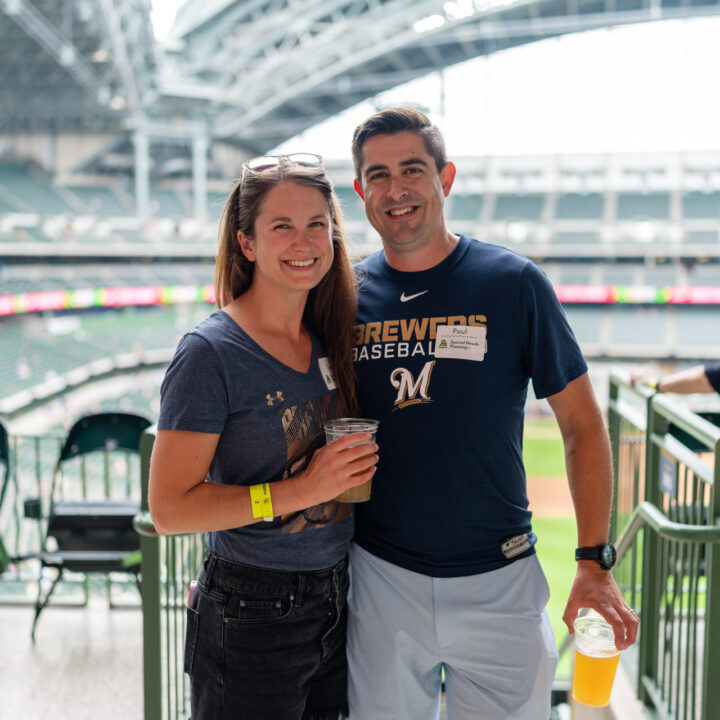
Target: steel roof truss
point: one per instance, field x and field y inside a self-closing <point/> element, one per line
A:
<point x="57" y="45"/>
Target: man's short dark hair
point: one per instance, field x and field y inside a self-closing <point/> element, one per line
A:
<point x="394" y="120"/>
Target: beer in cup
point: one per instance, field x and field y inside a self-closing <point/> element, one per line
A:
<point x="344" y="426"/>
<point x="596" y="660"/>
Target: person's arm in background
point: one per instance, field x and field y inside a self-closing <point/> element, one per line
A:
<point x="684" y="382"/>
<point x="589" y="468"/>
<point x="712" y="373"/>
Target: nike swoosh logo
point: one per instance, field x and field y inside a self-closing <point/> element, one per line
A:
<point x="405" y="298"/>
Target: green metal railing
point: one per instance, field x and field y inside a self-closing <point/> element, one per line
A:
<point x="26" y="495"/>
<point x="667" y="465"/>
<point x="666" y="519"/>
<point x="169" y="564"/>
<point x="30" y="472"/>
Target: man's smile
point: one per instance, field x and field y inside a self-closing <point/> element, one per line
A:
<point x="401" y="211"/>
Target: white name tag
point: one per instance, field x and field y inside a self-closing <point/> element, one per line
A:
<point x="327" y="373"/>
<point x="464" y="342"/>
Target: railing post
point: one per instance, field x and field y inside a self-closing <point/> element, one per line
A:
<point x="614" y="432"/>
<point x="710" y="703"/>
<point x="652" y="594"/>
<point x="152" y="636"/>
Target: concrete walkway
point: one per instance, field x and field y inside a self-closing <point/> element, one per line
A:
<point x="86" y="663"/>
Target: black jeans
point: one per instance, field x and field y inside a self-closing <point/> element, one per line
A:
<point x="267" y="644"/>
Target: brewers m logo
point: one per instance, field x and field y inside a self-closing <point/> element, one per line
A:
<point x="409" y="388"/>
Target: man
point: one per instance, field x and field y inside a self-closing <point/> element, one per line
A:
<point x="697" y="379"/>
<point x="444" y="568"/>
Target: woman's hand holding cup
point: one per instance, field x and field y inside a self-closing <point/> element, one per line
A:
<point x="346" y="462"/>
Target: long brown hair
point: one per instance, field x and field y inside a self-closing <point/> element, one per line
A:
<point x="332" y="304"/>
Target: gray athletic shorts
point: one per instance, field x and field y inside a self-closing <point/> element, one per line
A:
<point x="490" y="632"/>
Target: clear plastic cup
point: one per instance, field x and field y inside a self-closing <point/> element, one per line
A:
<point x="335" y="429"/>
<point x="596" y="660"/>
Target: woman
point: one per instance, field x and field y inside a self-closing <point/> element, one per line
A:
<point x="239" y="453"/>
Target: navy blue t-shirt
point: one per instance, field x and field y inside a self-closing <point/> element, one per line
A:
<point x="712" y="372"/>
<point x="450" y="486"/>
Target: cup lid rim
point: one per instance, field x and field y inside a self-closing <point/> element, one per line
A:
<point x="591" y="622"/>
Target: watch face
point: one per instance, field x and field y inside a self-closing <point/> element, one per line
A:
<point x="608" y="555"/>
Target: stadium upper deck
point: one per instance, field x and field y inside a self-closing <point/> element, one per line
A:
<point x="630" y="243"/>
<point x="87" y="88"/>
<point x="564" y="207"/>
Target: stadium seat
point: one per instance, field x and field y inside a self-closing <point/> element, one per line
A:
<point x="697" y="205"/>
<point x="100" y="201"/>
<point x="587" y="323"/>
<point x="518" y="207"/>
<point x="697" y="327"/>
<point x="350" y="203"/>
<point x="705" y="275"/>
<point x="575" y="206"/>
<point x="167" y="204"/>
<point x="465" y="207"/>
<point x="619" y="276"/>
<point x="638" y="327"/>
<point x="585" y="238"/>
<point x="661" y="275"/>
<point x="702" y="237"/>
<point x="572" y="275"/>
<point x="90" y="519"/>
<point x="32" y="190"/>
<point x="640" y="206"/>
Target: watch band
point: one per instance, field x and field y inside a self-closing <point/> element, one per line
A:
<point x="604" y="554"/>
<point x="588" y="553"/>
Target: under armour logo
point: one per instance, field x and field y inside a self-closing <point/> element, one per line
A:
<point x="278" y="396"/>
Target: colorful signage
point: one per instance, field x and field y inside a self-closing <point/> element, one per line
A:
<point x="173" y="294"/>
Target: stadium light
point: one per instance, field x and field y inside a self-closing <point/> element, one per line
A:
<point x="517" y="231"/>
<point x="67" y="55"/>
<point x="101" y="55"/>
<point x="118" y="103"/>
<point x="460" y="9"/>
<point x="12" y="7"/>
<point x="431" y="22"/>
<point x="644" y="231"/>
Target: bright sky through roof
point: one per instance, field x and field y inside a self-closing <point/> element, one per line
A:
<point x="162" y="16"/>
<point x="626" y="89"/>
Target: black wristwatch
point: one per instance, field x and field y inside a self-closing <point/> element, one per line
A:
<point x="604" y="555"/>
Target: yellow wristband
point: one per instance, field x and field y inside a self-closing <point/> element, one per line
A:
<point x="261" y="501"/>
<point x="653" y="385"/>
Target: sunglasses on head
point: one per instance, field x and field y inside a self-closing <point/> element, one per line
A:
<point x="258" y="164"/>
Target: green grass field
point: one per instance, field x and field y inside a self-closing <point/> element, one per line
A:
<point x="543" y="449"/>
<point x="555" y="548"/>
<point x="544" y="457"/>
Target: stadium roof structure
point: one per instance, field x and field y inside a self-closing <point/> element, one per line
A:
<point x="268" y="69"/>
<point x="79" y="64"/>
<point x="253" y="73"/>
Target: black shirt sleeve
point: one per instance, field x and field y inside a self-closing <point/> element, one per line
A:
<point x="712" y="370"/>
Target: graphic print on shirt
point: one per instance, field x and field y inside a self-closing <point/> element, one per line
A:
<point x="411" y="338"/>
<point x="302" y="425"/>
<point x="409" y="387"/>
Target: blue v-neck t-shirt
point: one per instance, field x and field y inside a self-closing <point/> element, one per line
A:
<point x="270" y="421"/>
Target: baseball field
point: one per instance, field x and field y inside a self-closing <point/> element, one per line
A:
<point x="553" y="517"/>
